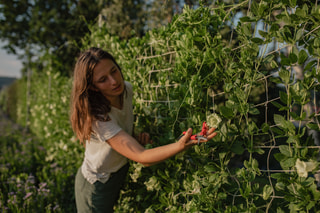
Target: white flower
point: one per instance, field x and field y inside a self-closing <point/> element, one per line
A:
<point x="64" y="99"/>
<point x="137" y="172"/>
<point x="304" y="167"/>
<point x="152" y="184"/>
<point x="213" y="120"/>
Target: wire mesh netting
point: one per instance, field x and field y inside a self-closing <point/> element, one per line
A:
<point x="167" y="96"/>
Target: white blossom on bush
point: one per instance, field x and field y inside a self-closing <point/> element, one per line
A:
<point x="304" y="167"/>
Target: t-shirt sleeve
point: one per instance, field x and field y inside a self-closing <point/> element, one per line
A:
<point x="106" y="130"/>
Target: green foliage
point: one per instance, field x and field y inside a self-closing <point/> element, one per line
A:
<point x="52" y="159"/>
<point x="183" y="73"/>
<point x="203" y="61"/>
<point x="124" y="18"/>
<point x="28" y="181"/>
<point x="8" y="99"/>
<point x="57" y="26"/>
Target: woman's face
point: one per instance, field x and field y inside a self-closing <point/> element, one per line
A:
<point x="107" y="79"/>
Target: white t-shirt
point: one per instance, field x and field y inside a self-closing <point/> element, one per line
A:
<point x="100" y="159"/>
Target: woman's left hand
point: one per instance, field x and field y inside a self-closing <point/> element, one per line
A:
<point x="144" y="138"/>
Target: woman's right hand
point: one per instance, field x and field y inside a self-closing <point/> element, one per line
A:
<point x="187" y="143"/>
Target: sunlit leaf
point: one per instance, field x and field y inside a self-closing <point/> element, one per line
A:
<point x="286" y="150"/>
<point x="285" y="74"/>
<point x="267" y="191"/>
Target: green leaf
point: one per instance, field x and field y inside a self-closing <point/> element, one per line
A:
<point x="252" y="128"/>
<point x="278" y="131"/>
<point x="294" y="116"/>
<point x="288" y="163"/>
<point x="210" y="168"/>
<point x="226" y="112"/>
<point x="197" y="150"/>
<point x="280" y="186"/>
<point x="237" y="148"/>
<point x="227" y="87"/>
<point x="247" y="19"/>
<point x="267" y="191"/>
<point x="276" y="104"/>
<point x="279" y="120"/>
<point x="285" y="150"/>
<point x="302" y="11"/>
<point x="304" y="152"/>
<point x="285" y="61"/>
<point x="255" y="8"/>
<point x="274" y="27"/>
<point x="285" y="74"/>
<point x="222" y="196"/>
<point x="258" y="150"/>
<point x="265" y="127"/>
<point x="213" y="177"/>
<point x="254" y="111"/>
<point x="276" y="80"/>
<point x="255" y="165"/>
<point x="293" y="58"/>
<point x="283" y="97"/>
<point x="280" y="176"/>
<point x="313" y="126"/>
<point x="222" y="155"/>
<point x="302" y="132"/>
<point x="310" y="64"/>
<point x="246" y="192"/>
<point x="283" y="123"/>
<point x="299" y="92"/>
<point x="263" y="33"/>
<point x="258" y="41"/>
<point x="311" y="204"/>
<point x="294" y="207"/>
<point x="293" y="3"/>
<point x="293" y="139"/>
<point x="316" y="42"/>
<point x="299" y="34"/>
<point x="279" y="157"/>
<point x="268" y="59"/>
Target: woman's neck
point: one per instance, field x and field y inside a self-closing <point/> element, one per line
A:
<point x="117" y="102"/>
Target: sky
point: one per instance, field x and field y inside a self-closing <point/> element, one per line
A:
<point x="10" y="66"/>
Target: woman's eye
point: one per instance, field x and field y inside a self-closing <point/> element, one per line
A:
<point x="102" y="80"/>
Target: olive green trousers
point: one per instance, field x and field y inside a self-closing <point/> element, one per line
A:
<point x="98" y="197"/>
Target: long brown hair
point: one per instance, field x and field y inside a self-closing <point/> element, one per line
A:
<point x="87" y="104"/>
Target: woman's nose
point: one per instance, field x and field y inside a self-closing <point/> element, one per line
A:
<point x="112" y="80"/>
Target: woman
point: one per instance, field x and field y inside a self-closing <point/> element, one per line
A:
<point x="102" y="119"/>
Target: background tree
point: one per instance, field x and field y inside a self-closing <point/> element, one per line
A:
<point x="123" y="18"/>
<point x="135" y="17"/>
<point x="30" y="27"/>
<point x="33" y="28"/>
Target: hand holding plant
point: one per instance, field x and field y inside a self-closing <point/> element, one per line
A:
<point x="187" y="143"/>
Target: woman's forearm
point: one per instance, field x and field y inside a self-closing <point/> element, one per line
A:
<point x="149" y="157"/>
<point x="130" y="148"/>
